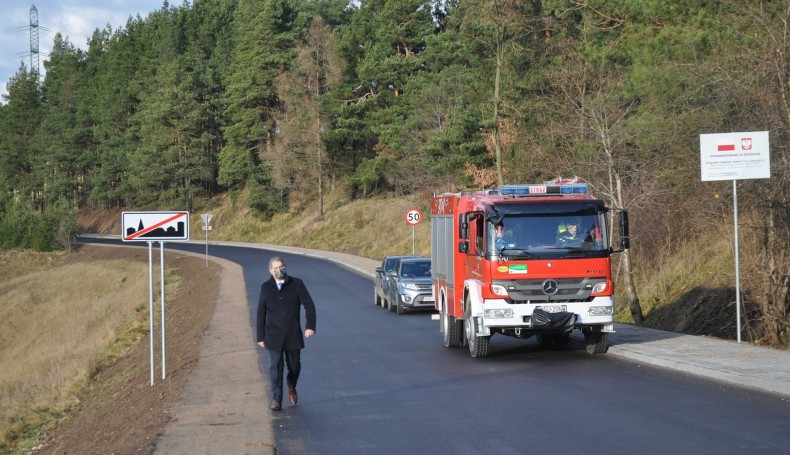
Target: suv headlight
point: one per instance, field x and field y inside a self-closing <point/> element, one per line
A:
<point x="411" y="286"/>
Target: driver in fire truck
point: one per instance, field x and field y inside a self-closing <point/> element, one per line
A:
<point x="567" y="231"/>
<point x="514" y="236"/>
<point x="504" y="238"/>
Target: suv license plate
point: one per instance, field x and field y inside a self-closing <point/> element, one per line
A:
<point x="552" y="308"/>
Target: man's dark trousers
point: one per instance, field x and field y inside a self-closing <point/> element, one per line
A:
<point x="290" y="358"/>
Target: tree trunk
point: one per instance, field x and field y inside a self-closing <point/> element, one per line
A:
<point x="628" y="275"/>
<point x="318" y="145"/>
<point x="320" y="181"/>
<point x="497" y="145"/>
<point x="775" y="304"/>
<point x="630" y="290"/>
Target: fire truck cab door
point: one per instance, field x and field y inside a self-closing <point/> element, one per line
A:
<point x="476" y="244"/>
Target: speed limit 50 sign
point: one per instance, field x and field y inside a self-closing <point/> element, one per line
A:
<point x="413" y="217"/>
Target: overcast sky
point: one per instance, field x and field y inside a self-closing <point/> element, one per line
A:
<point x="74" y="19"/>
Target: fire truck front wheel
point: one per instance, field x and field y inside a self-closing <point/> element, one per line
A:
<point x="451" y="329"/>
<point x="596" y="342"/>
<point x="478" y="345"/>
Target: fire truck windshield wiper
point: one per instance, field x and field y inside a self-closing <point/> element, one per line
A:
<point x="578" y="252"/>
<point x="519" y="252"/>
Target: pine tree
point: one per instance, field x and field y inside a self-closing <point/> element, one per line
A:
<point x="263" y="45"/>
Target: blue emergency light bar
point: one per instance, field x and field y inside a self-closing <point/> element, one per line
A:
<point x="540" y="190"/>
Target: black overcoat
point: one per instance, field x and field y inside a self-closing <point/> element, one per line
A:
<point x="279" y="318"/>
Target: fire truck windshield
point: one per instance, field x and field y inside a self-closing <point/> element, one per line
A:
<point x="547" y="235"/>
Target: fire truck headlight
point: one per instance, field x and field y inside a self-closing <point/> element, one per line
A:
<point x="499" y="313"/>
<point x="498" y="289"/>
<point x="599" y="287"/>
<point x="600" y="311"/>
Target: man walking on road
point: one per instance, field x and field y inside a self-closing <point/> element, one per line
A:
<point x="280" y="328"/>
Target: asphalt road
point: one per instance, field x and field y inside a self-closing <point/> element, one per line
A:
<point x="376" y="381"/>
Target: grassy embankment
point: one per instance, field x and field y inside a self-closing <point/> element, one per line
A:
<point x="60" y="322"/>
<point x="370" y="228"/>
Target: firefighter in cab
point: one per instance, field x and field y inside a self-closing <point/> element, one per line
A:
<point x="567" y="231"/>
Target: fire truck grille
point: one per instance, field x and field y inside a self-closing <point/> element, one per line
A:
<point x="544" y="290"/>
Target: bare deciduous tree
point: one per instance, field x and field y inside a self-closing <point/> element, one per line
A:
<point x="594" y="115"/>
<point x="299" y="157"/>
<point x="770" y="108"/>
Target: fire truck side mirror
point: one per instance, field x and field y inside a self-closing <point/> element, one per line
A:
<point x="463" y="246"/>
<point x="463" y="227"/>
<point x="625" y="241"/>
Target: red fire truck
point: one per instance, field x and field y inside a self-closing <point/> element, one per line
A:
<point x="524" y="260"/>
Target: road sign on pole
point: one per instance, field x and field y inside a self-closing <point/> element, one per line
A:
<point x="735" y="156"/>
<point x="154" y="226"/>
<point x="413" y="217"/>
<point x="206" y="218"/>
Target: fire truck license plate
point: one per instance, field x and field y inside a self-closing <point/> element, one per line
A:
<point x="552" y="308"/>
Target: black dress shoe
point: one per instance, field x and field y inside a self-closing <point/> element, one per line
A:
<point x="276" y="405"/>
<point x="293" y="396"/>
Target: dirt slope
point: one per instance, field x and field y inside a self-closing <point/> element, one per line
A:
<point x="120" y="412"/>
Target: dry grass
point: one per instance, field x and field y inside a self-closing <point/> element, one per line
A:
<point x="371" y="227"/>
<point x="59" y="323"/>
<point x="700" y="264"/>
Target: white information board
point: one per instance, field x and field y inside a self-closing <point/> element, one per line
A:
<point x="735" y="156"/>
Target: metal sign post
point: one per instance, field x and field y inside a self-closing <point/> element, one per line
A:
<point x="151" y="306"/>
<point x="413" y="217"/>
<point x="162" y="302"/>
<point x="150" y="227"/>
<point x="206" y="218"/>
<point x="734" y="156"/>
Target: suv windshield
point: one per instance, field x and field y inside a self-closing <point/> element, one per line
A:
<point x="548" y="235"/>
<point x="416" y="269"/>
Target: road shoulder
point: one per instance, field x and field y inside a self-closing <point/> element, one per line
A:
<point x="223" y="407"/>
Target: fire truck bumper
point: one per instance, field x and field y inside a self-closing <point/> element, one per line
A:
<point x="499" y="313"/>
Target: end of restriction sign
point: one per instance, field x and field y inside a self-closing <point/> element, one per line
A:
<point x="154" y="226"/>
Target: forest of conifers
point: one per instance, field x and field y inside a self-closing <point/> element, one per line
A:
<point x="399" y="96"/>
